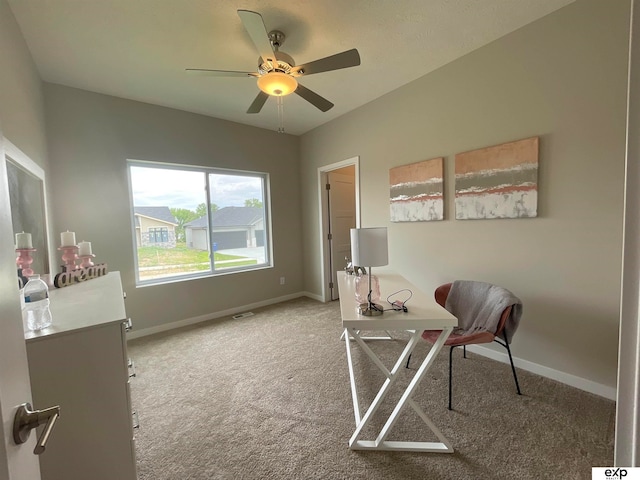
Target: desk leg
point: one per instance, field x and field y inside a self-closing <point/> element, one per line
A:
<point x="391" y="377"/>
<point x="388" y="337"/>
<point x="355" y="335"/>
<point x="352" y="378"/>
<point x="406" y="397"/>
<point x="380" y="443"/>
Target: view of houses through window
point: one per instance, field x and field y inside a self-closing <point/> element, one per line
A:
<point x="192" y="221"/>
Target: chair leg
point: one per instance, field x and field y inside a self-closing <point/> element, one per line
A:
<point x="450" y="373"/>
<point x="513" y="368"/>
<point x="464" y="351"/>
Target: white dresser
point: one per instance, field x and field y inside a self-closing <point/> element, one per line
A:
<point x="81" y="364"/>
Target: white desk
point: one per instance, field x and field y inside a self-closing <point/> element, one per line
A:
<point x="424" y="314"/>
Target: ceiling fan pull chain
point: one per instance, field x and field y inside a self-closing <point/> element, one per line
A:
<point x="280" y="104"/>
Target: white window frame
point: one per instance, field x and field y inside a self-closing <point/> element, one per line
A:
<point x="268" y="246"/>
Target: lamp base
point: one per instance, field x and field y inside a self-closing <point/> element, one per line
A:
<point x="370" y="310"/>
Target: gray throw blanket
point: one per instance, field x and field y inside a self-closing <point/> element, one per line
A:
<point x="478" y="307"/>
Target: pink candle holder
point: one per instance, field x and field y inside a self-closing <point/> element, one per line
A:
<point x="24" y="260"/>
<point x="86" y="261"/>
<point x="69" y="257"/>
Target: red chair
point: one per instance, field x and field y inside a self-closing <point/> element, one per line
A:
<point x="456" y="339"/>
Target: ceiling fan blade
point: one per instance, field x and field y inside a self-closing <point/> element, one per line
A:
<point x="219" y="73"/>
<point x="350" y="58"/>
<point x="313" y="98"/>
<point x="254" y="25"/>
<point x="258" y="102"/>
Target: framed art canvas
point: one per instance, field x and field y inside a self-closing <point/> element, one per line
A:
<point x="416" y="191"/>
<point x="498" y="182"/>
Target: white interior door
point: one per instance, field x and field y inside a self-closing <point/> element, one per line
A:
<point x="342" y="218"/>
<point x="627" y="443"/>
<point x="17" y="462"/>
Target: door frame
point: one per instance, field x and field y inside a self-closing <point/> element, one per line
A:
<point x="325" y="268"/>
<point x="627" y="428"/>
<point x="16" y="461"/>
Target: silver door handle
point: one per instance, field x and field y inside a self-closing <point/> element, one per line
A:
<point x="27" y="419"/>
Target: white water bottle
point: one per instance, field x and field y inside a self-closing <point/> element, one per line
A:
<point x="36" y="314"/>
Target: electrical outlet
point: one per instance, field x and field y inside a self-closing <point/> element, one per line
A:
<point x="281" y="280"/>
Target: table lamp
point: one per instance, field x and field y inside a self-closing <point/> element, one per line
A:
<point x="369" y="249"/>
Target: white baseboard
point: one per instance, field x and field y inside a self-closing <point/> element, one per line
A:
<point x="562" y="377"/>
<point x="210" y="316"/>
<point x="313" y="296"/>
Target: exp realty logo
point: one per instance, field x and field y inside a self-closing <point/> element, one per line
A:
<point x="615" y="473"/>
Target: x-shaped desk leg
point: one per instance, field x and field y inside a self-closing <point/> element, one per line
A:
<point x="380" y="443"/>
<point x="388" y="337"/>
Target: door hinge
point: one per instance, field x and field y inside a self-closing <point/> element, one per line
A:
<point x="328" y="186"/>
<point x="330" y="284"/>
<point x="329" y="237"/>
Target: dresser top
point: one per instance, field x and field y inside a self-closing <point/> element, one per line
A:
<point x="88" y="304"/>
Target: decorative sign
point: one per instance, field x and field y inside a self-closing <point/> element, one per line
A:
<point x="70" y="277"/>
<point x="73" y="273"/>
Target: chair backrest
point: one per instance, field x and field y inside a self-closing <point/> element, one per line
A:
<point x="442" y="292"/>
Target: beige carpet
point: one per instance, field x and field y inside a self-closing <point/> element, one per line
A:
<point x="268" y="397"/>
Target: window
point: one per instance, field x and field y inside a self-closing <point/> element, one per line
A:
<point x="158" y="235"/>
<point x="195" y="221"/>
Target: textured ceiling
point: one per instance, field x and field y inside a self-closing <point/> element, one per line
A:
<point x="138" y="49"/>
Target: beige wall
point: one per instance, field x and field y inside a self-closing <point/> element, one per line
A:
<point x="93" y="135"/>
<point x="21" y="97"/>
<point x="562" y="78"/>
<point x="22" y="117"/>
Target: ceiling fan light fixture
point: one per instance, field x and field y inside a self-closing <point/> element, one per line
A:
<point x="277" y="84"/>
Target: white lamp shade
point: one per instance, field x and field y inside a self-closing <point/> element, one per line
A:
<point x="369" y="247"/>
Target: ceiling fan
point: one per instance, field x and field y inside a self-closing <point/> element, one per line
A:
<point x="277" y="72"/>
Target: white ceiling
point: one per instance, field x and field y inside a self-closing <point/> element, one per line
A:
<point x="138" y="49"/>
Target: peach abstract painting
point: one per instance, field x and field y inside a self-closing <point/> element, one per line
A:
<point x="416" y="191"/>
<point x="498" y="182"/>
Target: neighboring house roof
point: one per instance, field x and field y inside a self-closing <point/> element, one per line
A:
<point x="197" y="223"/>
<point x="230" y="217"/>
<point x="162" y="214"/>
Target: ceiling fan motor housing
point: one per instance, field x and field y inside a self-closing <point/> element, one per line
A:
<point x="284" y="64"/>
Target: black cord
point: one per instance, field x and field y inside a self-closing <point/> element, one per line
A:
<point x="375" y="307"/>
<point x="372" y="305"/>
<point x="398" y="305"/>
